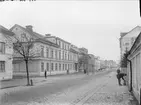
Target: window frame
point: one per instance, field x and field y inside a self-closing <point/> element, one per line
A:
<point x="2" y="66"/>
<point x="2" y="47"/>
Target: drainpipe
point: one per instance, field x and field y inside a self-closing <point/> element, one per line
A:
<point x="130" y="75"/>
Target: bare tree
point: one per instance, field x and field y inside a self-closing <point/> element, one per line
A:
<point x="83" y="62"/>
<point x="24" y="48"/>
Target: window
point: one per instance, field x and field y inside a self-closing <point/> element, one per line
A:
<point x="23" y="37"/>
<point x="59" y="54"/>
<point x="65" y="56"/>
<point x="66" y="46"/>
<point x="42" y="66"/>
<point x="52" y="53"/>
<point x="126" y="44"/>
<point x="63" y="45"/>
<point x="59" y="66"/>
<point x="56" y="66"/>
<point x="42" y="51"/>
<point x="132" y="40"/>
<point x="68" y="67"/>
<point x="2" y="47"/>
<point x="59" y="43"/>
<point x="47" y="52"/>
<point x="52" y="66"/>
<point x="68" y="56"/>
<point x="63" y="66"/>
<point x="56" y="54"/>
<point x="47" y="66"/>
<point x="2" y="66"/>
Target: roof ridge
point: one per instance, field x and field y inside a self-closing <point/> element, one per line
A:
<point x="133" y="29"/>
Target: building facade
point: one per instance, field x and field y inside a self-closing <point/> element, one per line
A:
<point x="134" y="68"/>
<point x="97" y="63"/>
<point x="91" y="63"/>
<point x="6" y="52"/>
<point x="52" y="54"/>
<point x="68" y="53"/>
<point x="127" y="39"/>
<point x="83" y="57"/>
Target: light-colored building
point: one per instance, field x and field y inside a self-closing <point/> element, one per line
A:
<point x="91" y="63"/>
<point x="127" y="39"/>
<point x="83" y="50"/>
<point x="6" y="52"/>
<point x="74" y="50"/>
<point x="83" y="55"/>
<point x="97" y="63"/>
<point x="44" y="54"/>
<point x="68" y="53"/>
<point x="52" y="54"/>
<point x="134" y="68"/>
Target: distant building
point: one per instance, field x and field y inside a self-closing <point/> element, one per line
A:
<point x="102" y="64"/>
<point x="6" y="52"/>
<point x="75" y="52"/>
<point x="83" y="50"/>
<point x="91" y="63"/>
<point x="83" y="55"/>
<point x="97" y="63"/>
<point x="127" y="39"/>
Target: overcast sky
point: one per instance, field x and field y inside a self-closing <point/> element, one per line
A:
<point x="95" y="25"/>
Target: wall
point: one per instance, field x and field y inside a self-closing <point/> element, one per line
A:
<point x="7" y="57"/>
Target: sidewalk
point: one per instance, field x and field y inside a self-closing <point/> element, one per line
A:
<point x="111" y="94"/>
<point x="5" y="84"/>
<point x="23" y="81"/>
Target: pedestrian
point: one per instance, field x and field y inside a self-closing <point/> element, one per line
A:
<point x="45" y="74"/>
<point x="120" y="76"/>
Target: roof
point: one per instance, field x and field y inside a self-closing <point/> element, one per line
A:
<point x="57" y="38"/>
<point x="74" y="51"/>
<point x="31" y="33"/>
<point x="136" y="43"/>
<point x="46" y="42"/>
<point x="6" y="31"/>
<point x="124" y="34"/>
<point x="40" y="38"/>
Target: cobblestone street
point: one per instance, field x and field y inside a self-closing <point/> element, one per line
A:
<point x="103" y="90"/>
<point x="110" y="94"/>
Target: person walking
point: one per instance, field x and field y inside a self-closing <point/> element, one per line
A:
<point x="45" y="74"/>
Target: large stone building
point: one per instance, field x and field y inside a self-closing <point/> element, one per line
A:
<point x="68" y="53"/>
<point x="127" y="39"/>
<point x="51" y="54"/>
<point x="6" y="52"/>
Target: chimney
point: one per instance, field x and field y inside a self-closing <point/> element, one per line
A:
<point x="29" y="27"/>
<point x="47" y="35"/>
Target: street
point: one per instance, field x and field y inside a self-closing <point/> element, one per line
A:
<point x="66" y="90"/>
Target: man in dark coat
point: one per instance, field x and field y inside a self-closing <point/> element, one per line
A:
<point x="120" y="76"/>
<point x="45" y="74"/>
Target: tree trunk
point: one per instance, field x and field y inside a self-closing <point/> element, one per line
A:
<point x="26" y="64"/>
